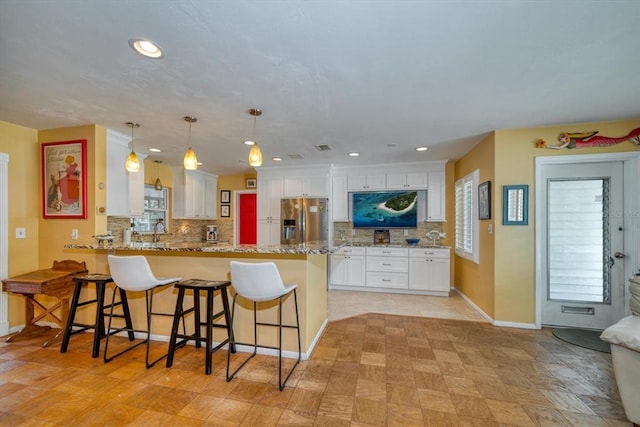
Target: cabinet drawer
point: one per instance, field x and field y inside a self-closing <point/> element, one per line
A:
<point x="387" y="252"/>
<point x="429" y="253"/>
<point x="397" y="264"/>
<point x="387" y="280"/>
<point x="351" y="250"/>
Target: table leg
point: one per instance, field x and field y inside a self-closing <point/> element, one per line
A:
<point x="30" y="328"/>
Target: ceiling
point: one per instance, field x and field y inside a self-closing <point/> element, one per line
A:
<point x="377" y="77"/>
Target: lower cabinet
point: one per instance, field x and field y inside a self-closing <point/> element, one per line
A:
<point x="268" y="232"/>
<point x="386" y="269"/>
<point x="348" y="267"/>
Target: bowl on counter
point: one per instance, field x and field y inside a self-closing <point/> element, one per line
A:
<point x="412" y="241"/>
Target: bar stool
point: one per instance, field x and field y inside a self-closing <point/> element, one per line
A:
<point x="101" y="281"/>
<point x="209" y="287"/>
<point x="133" y="274"/>
<point x="261" y="282"/>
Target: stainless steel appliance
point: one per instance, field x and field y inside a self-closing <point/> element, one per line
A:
<point x="212" y="233"/>
<point x="303" y="221"/>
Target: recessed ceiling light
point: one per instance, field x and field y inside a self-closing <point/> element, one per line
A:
<point x="199" y="163"/>
<point x="276" y="159"/>
<point x="146" y="48"/>
<point x="422" y="149"/>
<point x="155" y="150"/>
<point x="354" y="154"/>
<point x="249" y="143"/>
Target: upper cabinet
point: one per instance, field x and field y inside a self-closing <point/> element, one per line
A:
<point x="339" y="198"/>
<point x="269" y="195"/>
<point x="369" y="182"/>
<point x="409" y="180"/>
<point x="436" y="209"/>
<point x="125" y="190"/>
<point x="194" y="194"/>
<point x="306" y="186"/>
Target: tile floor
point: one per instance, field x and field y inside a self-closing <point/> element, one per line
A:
<point x="367" y="370"/>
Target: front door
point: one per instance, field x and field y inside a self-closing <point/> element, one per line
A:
<point x="583" y="247"/>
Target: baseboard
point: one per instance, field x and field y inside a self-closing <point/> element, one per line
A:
<point x="473" y="305"/>
<point x="496" y="322"/>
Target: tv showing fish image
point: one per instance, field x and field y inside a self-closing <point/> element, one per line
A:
<point x="385" y="209"/>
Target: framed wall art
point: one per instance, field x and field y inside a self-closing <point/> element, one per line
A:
<point x="225" y="211"/>
<point x="516" y="205"/>
<point x="250" y="183"/>
<point x="64" y="179"/>
<point x="484" y="200"/>
<point x="225" y="196"/>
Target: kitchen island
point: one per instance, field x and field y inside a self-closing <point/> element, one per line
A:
<point x="305" y="265"/>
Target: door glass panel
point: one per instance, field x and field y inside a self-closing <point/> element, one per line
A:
<point x="578" y="240"/>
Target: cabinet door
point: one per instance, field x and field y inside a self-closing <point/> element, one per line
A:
<point x="268" y="232"/>
<point x="270" y="191"/>
<point x="417" y="180"/>
<point x="315" y="186"/>
<point x="293" y="186"/>
<point x="339" y="199"/>
<point x="377" y="182"/>
<point x="439" y="275"/>
<point x="194" y="196"/>
<point x="357" y="271"/>
<point x="210" y="197"/>
<point x="396" y="181"/>
<point x="136" y="191"/>
<point x="356" y="182"/>
<point x="339" y="269"/>
<point x="418" y="273"/>
<point x="436" y="197"/>
<point x="117" y="186"/>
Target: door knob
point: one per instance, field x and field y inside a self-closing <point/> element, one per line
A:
<point x="619" y="255"/>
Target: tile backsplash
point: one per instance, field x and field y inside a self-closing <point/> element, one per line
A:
<point x="181" y="230"/>
<point x="344" y="231"/>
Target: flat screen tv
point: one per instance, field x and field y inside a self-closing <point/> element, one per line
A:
<point x="385" y="209"/>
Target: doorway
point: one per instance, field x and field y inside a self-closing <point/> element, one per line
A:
<point x="246" y="224"/>
<point x="584" y="240"/>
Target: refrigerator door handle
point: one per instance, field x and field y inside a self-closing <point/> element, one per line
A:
<point x="303" y="222"/>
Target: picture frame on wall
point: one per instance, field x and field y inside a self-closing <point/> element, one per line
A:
<point x="516" y="205"/>
<point x="64" y="179"/>
<point x="250" y="183"/>
<point x="484" y="200"/>
<point x="225" y="196"/>
<point x="225" y="211"/>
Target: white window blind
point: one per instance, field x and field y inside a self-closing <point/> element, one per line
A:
<point x="466" y="242"/>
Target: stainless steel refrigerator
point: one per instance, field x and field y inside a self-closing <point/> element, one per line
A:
<point x="303" y="221"/>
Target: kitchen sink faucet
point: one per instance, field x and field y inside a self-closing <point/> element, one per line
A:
<point x="158" y="225"/>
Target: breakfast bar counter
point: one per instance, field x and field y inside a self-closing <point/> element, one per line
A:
<point x="304" y="265"/>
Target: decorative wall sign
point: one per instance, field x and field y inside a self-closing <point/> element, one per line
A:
<point x="484" y="200"/>
<point x="590" y="139"/>
<point x="64" y="179"/>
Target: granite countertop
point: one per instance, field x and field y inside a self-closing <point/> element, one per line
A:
<point x="420" y="245"/>
<point x="303" y="249"/>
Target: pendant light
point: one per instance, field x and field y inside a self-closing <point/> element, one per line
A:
<point x="132" y="164"/>
<point x="255" y="155"/>
<point x="190" y="159"/>
<point x="158" y="184"/>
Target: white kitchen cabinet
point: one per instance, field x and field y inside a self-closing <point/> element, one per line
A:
<point x="268" y="232"/>
<point x="339" y="199"/>
<point x="367" y="182"/>
<point x="306" y="186"/>
<point x="125" y="190"/>
<point x="270" y="191"/>
<point x="348" y="267"/>
<point x="387" y="268"/>
<point x="409" y="180"/>
<point x="436" y="208"/>
<point x="194" y="194"/>
<point x="429" y="270"/>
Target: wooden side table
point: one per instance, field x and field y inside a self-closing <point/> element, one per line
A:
<point x="56" y="282"/>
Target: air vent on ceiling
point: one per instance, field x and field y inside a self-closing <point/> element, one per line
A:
<point x="323" y="147"/>
<point x="295" y="156"/>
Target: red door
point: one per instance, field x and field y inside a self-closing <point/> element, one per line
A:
<point x="248" y="219"/>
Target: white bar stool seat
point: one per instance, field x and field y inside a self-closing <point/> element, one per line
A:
<point x="260" y="282"/>
<point x="133" y="274"/>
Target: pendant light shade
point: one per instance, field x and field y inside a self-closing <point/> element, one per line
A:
<point x="190" y="159"/>
<point x="255" y="155"/>
<point x="158" y="184"/>
<point x="132" y="164"/>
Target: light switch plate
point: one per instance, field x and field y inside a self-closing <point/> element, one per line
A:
<point x="74" y="234"/>
<point x="21" y="233"/>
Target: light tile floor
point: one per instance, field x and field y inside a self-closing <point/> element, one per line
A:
<point x="345" y="304"/>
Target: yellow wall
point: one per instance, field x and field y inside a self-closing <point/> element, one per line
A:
<point x="476" y="281"/>
<point x="21" y="144"/>
<point x="515" y="245"/>
<point x="513" y="256"/>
